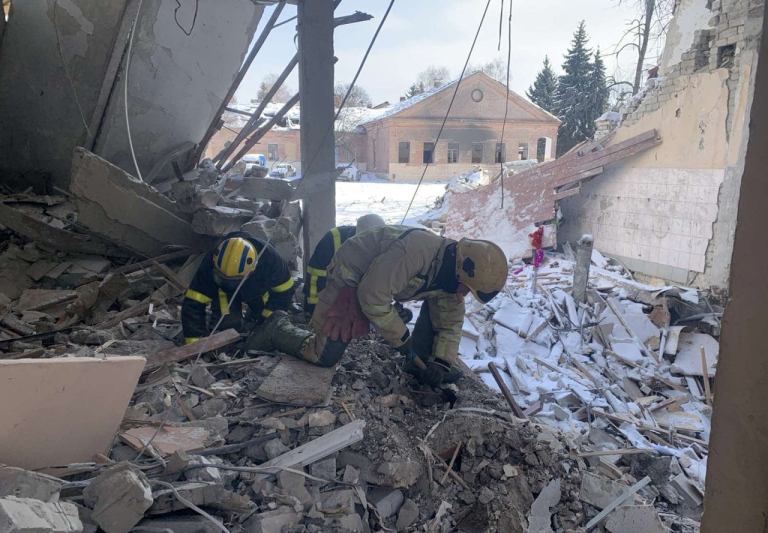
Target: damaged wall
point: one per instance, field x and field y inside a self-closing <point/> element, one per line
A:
<point x="184" y="60"/>
<point x="670" y="213"/>
<point x="181" y="68"/>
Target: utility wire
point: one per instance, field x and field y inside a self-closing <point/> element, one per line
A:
<point x="125" y="92"/>
<point x="506" y="100"/>
<point x="311" y="161"/>
<point x="448" y="111"/>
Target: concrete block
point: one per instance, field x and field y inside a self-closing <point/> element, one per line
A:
<point x="118" y="207"/>
<point x="399" y="474"/>
<point x="25" y="484"/>
<point x="409" y="513"/>
<point x="119" y="498"/>
<point x="26" y="515"/>
<point x="598" y="491"/>
<point x="635" y="519"/>
<point x="293" y="485"/>
<point x="44" y="400"/>
<point x="390" y="504"/>
<point x="272" y="521"/>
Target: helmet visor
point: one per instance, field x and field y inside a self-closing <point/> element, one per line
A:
<point x="486" y="297"/>
<point x="226" y="283"/>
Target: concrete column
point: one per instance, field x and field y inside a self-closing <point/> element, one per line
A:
<point x="581" y="268"/>
<point x="318" y="165"/>
<point x="737" y="475"/>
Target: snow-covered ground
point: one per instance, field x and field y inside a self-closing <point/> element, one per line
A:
<point x="385" y="198"/>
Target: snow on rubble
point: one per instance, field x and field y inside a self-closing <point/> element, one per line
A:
<point x="633" y="382"/>
<point x="619" y="377"/>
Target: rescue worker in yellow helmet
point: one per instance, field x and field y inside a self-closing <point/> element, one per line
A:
<point x="398" y="263"/>
<point x="317" y="266"/>
<point x="267" y="289"/>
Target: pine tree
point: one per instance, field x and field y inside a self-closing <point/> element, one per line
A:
<point x="542" y="92"/>
<point x="573" y="103"/>
<point x="413" y="90"/>
<point x="598" y="91"/>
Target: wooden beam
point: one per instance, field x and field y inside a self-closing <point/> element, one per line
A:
<point x="320" y="448"/>
<point x="516" y="410"/>
<point x="180" y="353"/>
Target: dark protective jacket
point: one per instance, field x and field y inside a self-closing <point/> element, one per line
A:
<point x="318" y="263"/>
<point x="269" y="288"/>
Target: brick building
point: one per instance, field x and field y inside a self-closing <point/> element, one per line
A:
<point x="396" y="141"/>
<point x="401" y="140"/>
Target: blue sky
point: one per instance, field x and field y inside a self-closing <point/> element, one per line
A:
<point x="419" y="33"/>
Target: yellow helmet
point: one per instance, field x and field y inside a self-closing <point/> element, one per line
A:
<point x="482" y="267"/>
<point x="235" y="257"/>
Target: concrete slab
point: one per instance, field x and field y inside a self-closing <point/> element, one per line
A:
<point x="65" y="410"/>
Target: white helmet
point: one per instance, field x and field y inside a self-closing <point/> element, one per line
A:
<point x="366" y="222"/>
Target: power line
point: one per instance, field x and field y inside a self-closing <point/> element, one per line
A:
<point x="506" y="98"/>
<point x="448" y="111"/>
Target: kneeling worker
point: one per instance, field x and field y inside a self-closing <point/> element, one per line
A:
<point x="398" y="263"/>
<point x="267" y="289"/>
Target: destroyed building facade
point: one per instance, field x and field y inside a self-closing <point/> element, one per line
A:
<point x="670" y="213"/>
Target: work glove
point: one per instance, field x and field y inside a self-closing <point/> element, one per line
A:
<point x="345" y="320"/>
<point x="435" y="374"/>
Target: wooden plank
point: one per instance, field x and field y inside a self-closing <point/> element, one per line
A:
<point x="320" y="448"/>
<point x="180" y="353"/>
<point x="625" y="451"/>
<point x="567" y="193"/>
<point x="617" y="502"/>
<point x="134" y="267"/>
<point x="705" y="375"/>
<point x="518" y="412"/>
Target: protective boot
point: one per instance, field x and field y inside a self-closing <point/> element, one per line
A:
<point x="287" y="337"/>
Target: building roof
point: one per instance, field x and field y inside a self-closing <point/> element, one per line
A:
<point x="403" y="105"/>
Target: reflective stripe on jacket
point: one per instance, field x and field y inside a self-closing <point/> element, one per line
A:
<point x="317" y="267"/>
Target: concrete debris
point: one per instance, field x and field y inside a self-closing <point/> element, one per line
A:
<point x="540" y="517"/>
<point x="89" y="291"/>
<point x="119" y="497"/>
<point x="27" y="515"/>
<point x="272" y="521"/>
<point x="22" y="483"/>
<point x="390" y="504"/>
<point x="635" y="519"/>
<point x="408" y="514"/>
<point x="598" y="491"/>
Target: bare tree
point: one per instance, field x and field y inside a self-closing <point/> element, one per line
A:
<point x="496" y="69"/>
<point x="433" y="76"/>
<point x="283" y="94"/>
<point x="650" y="25"/>
<point x="357" y="98"/>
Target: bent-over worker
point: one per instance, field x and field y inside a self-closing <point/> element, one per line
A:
<point x="267" y="289"/>
<point x="317" y="266"/>
<point x="399" y="263"/>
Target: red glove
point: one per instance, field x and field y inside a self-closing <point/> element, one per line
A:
<point x="345" y="320"/>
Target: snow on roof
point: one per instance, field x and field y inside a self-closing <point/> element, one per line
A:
<point x="405" y="104"/>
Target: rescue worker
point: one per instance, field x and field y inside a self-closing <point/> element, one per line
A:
<point x="324" y="252"/>
<point x="268" y="287"/>
<point x="398" y="263"/>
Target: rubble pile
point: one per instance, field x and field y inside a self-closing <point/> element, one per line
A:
<point x="606" y="424"/>
<point x="624" y="377"/>
<point x="206" y="444"/>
